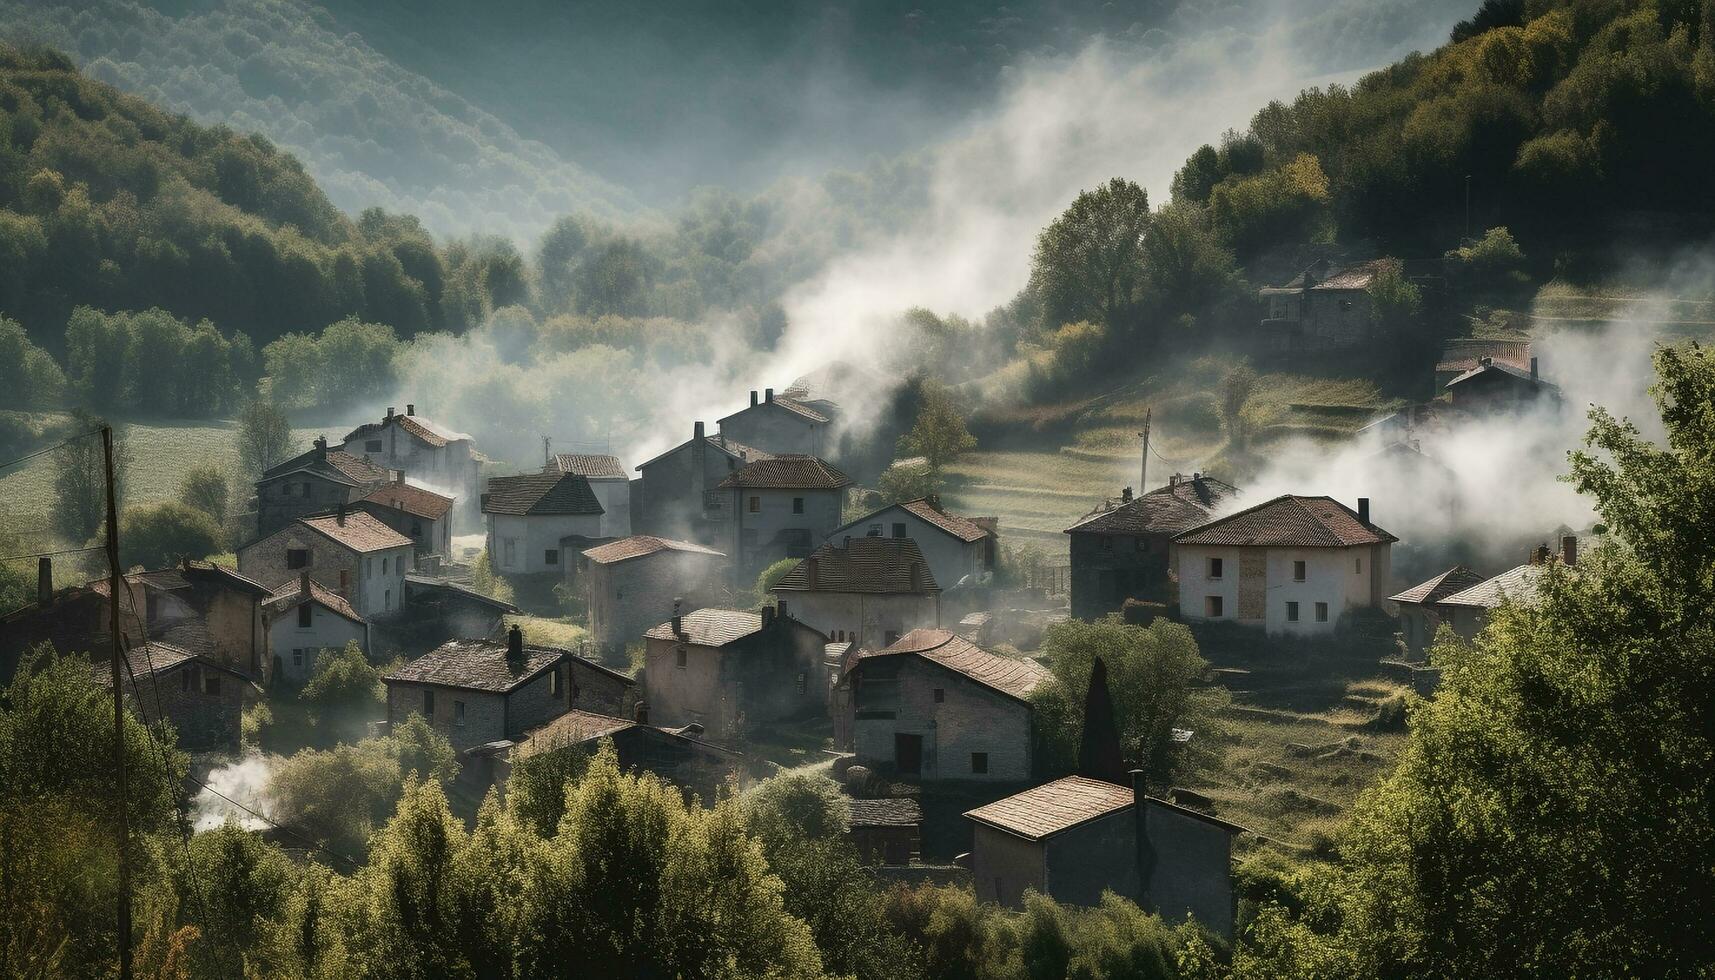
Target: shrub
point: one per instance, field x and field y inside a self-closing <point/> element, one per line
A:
<point x="156" y="535"/>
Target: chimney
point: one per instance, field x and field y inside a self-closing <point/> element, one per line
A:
<point x="1569" y="549"/>
<point x="1196" y="475"/>
<point x="934" y="500"/>
<point x="753" y="398"/>
<point x="1364" y="511"/>
<point x="1145" y="849"/>
<point x="1125" y="495"/>
<point x="768" y="396"/>
<point x="44" y="581"/>
<point x="399" y="477"/>
<point x="780" y="609"/>
<point x="641" y="716"/>
<point x="1173" y="480"/>
<point x="1533" y="369"/>
<point x="321" y="447"/>
<point x="767" y="616"/>
<point x="697" y="431"/>
<point x="304" y="582"/>
<point x="339" y="514"/>
<point x="810" y="571"/>
<point x="848" y="542"/>
<point x="390" y="412"/>
<point x="515" y="644"/>
<point x="410" y="409"/>
<point x="678" y="620"/>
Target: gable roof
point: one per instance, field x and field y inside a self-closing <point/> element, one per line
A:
<point x="1519" y="584"/>
<point x="874" y="566"/>
<point x="789" y="472"/>
<point x="1177" y="506"/>
<point x="330" y="464"/>
<point x="291" y="595"/>
<point x="595" y="466"/>
<point x="719" y="442"/>
<point x="901" y="812"/>
<point x="1052" y="808"/>
<point x="151" y="659"/>
<point x="455" y="590"/>
<point x="1289" y="522"/>
<point x="195" y="569"/>
<point x="710" y="627"/>
<point x="577" y="726"/>
<point x="1488" y="368"/>
<point x="536" y="494"/>
<point x="478" y="665"/>
<point x="1428" y="593"/>
<point x="432" y="433"/>
<point x="415" y="501"/>
<point x="792" y="405"/>
<point x="358" y="531"/>
<point x="1013" y="678"/>
<point x="963" y="528"/>
<point x="640" y="545"/>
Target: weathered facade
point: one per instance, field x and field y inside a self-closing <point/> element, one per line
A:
<point x="676" y="491"/>
<point x="1420" y="613"/>
<point x="780" y="508"/>
<point x="780" y="426"/>
<point x="729" y="670"/>
<point x="936" y="707"/>
<point x="302" y="620"/>
<point x="430" y="453"/>
<point x="1120" y="550"/>
<point x="202" y="700"/>
<point x="1290" y="565"/>
<point x="886" y="831"/>
<point x="677" y="755"/>
<point x="1467" y="610"/>
<point x="870" y="591"/>
<point x="443" y="610"/>
<point x="631" y="582"/>
<point x="1325" y="307"/>
<point x="349" y="552"/>
<point x="529" y="515"/>
<point x="1493" y="387"/>
<point x="960" y="550"/>
<point x="609" y="483"/>
<point x="71" y="620"/>
<point x="1075" y="838"/>
<point x="422" y="515"/>
<point x="315" y="482"/>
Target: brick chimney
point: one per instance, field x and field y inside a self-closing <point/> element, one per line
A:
<point x="641" y="715"/>
<point x="390" y="413"/>
<point x="753" y="398"/>
<point x="1125" y="495"/>
<point x="515" y="645"/>
<point x="399" y="477"/>
<point x="339" y="514"/>
<point x="44" y="581"/>
<point x="410" y="409"/>
<point x="768" y="395"/>
<point x="1533" y="369"/>
<point x="934" y="500"/>
<point x="767" y="616"/>
<point x="1364" y="511"/>
<point x="1569" y="549"/>
<point x="321" y="447"/>
<point x="678" y="620"/>
<point x="1145" y="850"/>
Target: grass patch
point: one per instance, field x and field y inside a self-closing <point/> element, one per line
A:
<point x="542" y="631"/>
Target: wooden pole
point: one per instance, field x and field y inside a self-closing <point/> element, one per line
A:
<point x="1143" y="471"/>
<point x="114" y="585"/>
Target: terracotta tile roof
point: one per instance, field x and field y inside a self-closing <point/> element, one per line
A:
<point x="1168" y="509"/>
<point x="231" y="576"/>
<point x="886" y="813"/>
<point x="731" y="448"/>
<point x="534" y="494"/>
<point x="1454" y="580"/>
<point x="359" y="531"/>
<point x="478" y="665"/>
<point x="639" y="545"/>
<point x="1051" y="808"/>
<point x="1289" y="522"/>
<point x="874" y="566"/>
<point x="144" y="660"/>
<point x="1358" y="276"/>
<point x="792" y="472"/>
<point x="592" y="465"/>
<point x="430" y="432"/>
<point x="333" y="464"/>
<point x="710" y="627"/>
<point x="291" y="595"/>
<point x="412" y="500"/>
<point x="962" y="528"/>
<point x="1518" y="584"/>
<point x="1014" y="678"/>
<point x="574" y="727"/>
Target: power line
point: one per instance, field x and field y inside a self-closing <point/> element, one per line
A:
<point x="277" y="826"/>
<point x="43" y="452"/>
<point x="53" y="554"/>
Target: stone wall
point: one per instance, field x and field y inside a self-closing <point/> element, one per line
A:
<point x="284" y="499"/>
<point x="1003" y="866"/>
<point x="970" y="718"/>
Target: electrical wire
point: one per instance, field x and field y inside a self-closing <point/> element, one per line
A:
<point x="53" y="554"/>
<point x="43" y="452"/>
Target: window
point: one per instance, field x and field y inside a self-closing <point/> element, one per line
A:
<point x="306" y="616"/>
<point x="1292" y="612"/>
<point x="1214" y="568"/>
<point x="1321" y="612"/>
<point x="388" y="599"/>
<point x="1298" y="571"/>
<point x="1212" y="606"/>
<point x="797" y="505"/>
<point x="372" y="445"/>
<point x="554" y="682"/>
<point x="874" y="531"/>
<point x="551" y="556"/>
<point x="211" y="684"/>
<point x="428" y="704"/>
<point x="681" y="657"/>
<point x="756" y="505"/>
<point x="384" y="566"/>
<point x="979" y="762"/>
<point x="899" y="529"/>
<point x="458" y="713"/>
<point x="803" y="682"/>
<point x="1358" y="565"/>
<point x="297" y="557"/>
<point x="940" y="695"/>
<point x="297" y="656"/>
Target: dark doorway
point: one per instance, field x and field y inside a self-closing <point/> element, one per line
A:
<point x="908" y="753"/>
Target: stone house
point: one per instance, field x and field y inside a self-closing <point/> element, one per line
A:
<point x="730" y="671"/>
<point x="1467" y="609"/>
<point x="960" y="551"/>
<point x="1325" y="307"/>
<point x="679" y="756"/>
<point x="934" y="707"/>
<point x="201" y="699"/>
<point x="609" y="482"/>
<point x="443" y="610"/>
<point x="209" y="610"/>
<point x="1420" y="612"/>
<point x="780" y="508"/>
<point x="302" y="619"/>
<point x="1290" y="565"/>
<point x="430" y="453"/>
<point x="886" y="831"/>
<point x="1120" y="549"/>
<point x="424" y="516"/>
<point x="676" y="495"/>
<point x="779" y="425"/>
<point x="870" y="591"/>
<point x="529" y="515"/>
<point x="1074" y="838"/>
<point x="1495" y="387"/>
<point x="314" y="482"/>
<point x="630" y="581"/>
<point x="481" y="691"/>
<point x="1466" y="354"/>
<point x="350" y="552"/>
<point x="71" y="620"/>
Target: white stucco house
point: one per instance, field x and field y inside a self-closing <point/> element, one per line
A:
<point x="609" y="482"/>
<point x="529" y="516"/>
<point x="301" y="619"/>
<point x="869" y="591"/>
<point x="960" y="550"/>
<point x="1290" y="565"/>
<point x="779" y="425"/>
<point x="431" y="454"/>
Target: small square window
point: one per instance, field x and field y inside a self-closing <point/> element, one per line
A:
<point x="1358" y="565"/>
<point x="306" y="616"/>
<point x="756" y="505"/>
<point x="1214" y="568"/>
<point x="899" y="529"/>
<point x="1292" y="612"/>
<point x="297" y="557"/>
<point x="797" y="505"/>
<point x="940" y="695"/>
<point x="1321" y="612"/>
<point x="297" y="656"/>
<point x="211" y="684"/>
<point x="1298" y="571"/>
<point x="458" y="713"/>
<point x="682" y="658"/>
<point x="1212" y="606"/>
<point x="979" y="762"/>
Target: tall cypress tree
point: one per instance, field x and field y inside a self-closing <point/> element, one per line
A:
<point x="1099" y="754"/>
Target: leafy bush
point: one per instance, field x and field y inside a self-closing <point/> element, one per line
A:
<point x="157" y="535"/>
<point x="771" y="576"/>
<point x="343" y="681"/>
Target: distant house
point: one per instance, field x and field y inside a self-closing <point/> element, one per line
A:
<point x="422" y="515"/>
<point x="1074" y="838"/>
<point x="1467" y="353"/>
<point x="1420" y="612"/>
<point x="679" y="756"/>
<point x="780" y="426"/>
<point x="959" y="550"/>
<point x="1325" y="307"/>
<point x="730" y="671"/>
<point x="71" y="620"/>
<point x="1467" y="610"/>
<point x="630" y="582"/>
<point x="481" y="691"/>
<point x="886" y="831"/>
<point x="1290" y="565"/>
<point x="201" y="699"/>
<point x="444" y="610"/>
<point x="350" y="552"/>
<point x="529" y="515"/>
<point x="430" y="453"/>
<point x="870" y="591"/>
<point x="677" y="495"/>
<point x="303" y="619"/>
<point x="209" y="610"/>
<point x="933" y="706"/>
<point x="315" y="482"/>
<point x="780" y="508"/>
<point x="1493" y="387"/>
<point x="1119" y="550"/>
<point x="609" y="482"/>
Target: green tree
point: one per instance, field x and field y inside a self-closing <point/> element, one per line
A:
<point x="80" y="479"/>
<point x="485" y="580"/>
<point x="1088" y="263"/>
<point x="1395" y="301"/>
<point x="343" y="682"/>
<point x="158" y="535"/>
<point x="204" y="488"/>
<point x="771" y="576"/>
<point x="264" y="436"/>
<point x="29" y="378"/>
<point x="906" y="481"/>
<point x="939" y="435"/>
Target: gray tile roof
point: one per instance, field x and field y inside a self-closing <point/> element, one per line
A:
<point x="534" y="494"/>
<point x="790" y="472"/>
<point x="332" y="464"/>
<point x="479" y="665"/>
<point x="710" y="627"/>
<point x="1168" y="509"/>
<point x="1428" y="593"/>
<point x="886" y="813"/>
<point x="1014" y="678"/>
<point x="592" y="465"/>
<point x="1518" y="584"/>
<point x="875" y="566"/>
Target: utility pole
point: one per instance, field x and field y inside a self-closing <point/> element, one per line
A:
<point x="1143" y="471"/>
<point x="113" y="586"/>
<point x="1467" y="207"/>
